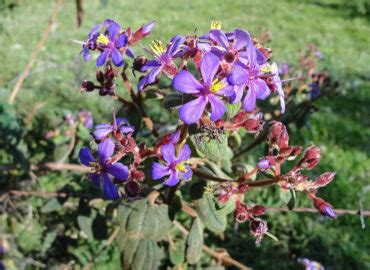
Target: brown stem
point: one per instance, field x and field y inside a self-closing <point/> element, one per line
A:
<point x="35" y="53"/>
<point x="251" y="183"/>
<point x="80" y="12"/>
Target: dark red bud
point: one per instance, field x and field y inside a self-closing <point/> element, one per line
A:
<point x="324" y="179"/>
<point x="296" y="151"/>
<point x="139" y="62"/>
<point x="132" y="189"/>
<point x="241" y="214"/>
<point x="253" y="125"/>
<point x="87" y="86"/>
<point x="311" y="157"/>
<point x="243" y="188"/>
<point x="258" y="210"/>
<point x="99" y="76"/>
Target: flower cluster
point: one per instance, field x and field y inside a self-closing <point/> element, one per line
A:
<point x="210" y="72"/>
<point x="114" y="141"/>
<point x="231" y="67"/>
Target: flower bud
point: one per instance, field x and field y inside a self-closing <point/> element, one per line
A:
<point x="241" y="213"/>
<point x="266" y="163"/>
<point x="258" y="210"/>
<point x="243" y="188"/>
<point x="132" y="189"/>
<point x="311" y="157"/>
<point x="100" y="76"/>
<point x="253" y="125"/>
<point x="324" y="208"/>
<point x="324" y="179"/>
<point x="87" y="86"/>
<point x="139" y="62"/>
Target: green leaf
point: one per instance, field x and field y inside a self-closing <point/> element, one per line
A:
<point x="177" y="252"/>
<point x="288" y="197"/>
<point x="85" y="223"/>
<point x="206" y="209"/>
<point x="172" y="100"/>
<point x="195" y="242"/>
<point x="30" y="236"/>
<point x="48" y="241"/>
<point x="51" y="205"/>
<point x="141" y="254"/>
<point x="213" y="149"/>
<point x="228" y="207"/>
<point x="232" y="109"/>
<point x="141" y="220"/>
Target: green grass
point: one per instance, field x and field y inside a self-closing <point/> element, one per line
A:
<point x="340" y="128"/>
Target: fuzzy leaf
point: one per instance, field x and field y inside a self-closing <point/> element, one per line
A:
<point x="143" y="220"/>
<point x="213" y="149"/>
<point x="195" y="242"/>
<point x="206" y="209"/>
<point x="232" y="109"/>
<point x="141" y="254"/>
<point x="288" y="197"/>
<point x="177" y="252"/>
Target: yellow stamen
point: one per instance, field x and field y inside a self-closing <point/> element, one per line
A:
<point x="216" y="25"/>
<point x="102" y="39"/>
<point x="95" y="167"/>
<point x="157" y="47"/>
<point x="216" y="85"/>
<point x="266" y="69"/>
<point x="181" y="167"/>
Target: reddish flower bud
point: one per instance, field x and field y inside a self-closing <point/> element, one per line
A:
<point x="132" y="189"/>
<point x="243" y="188"/>
<point x="324" y="208"/>
<point x="311" y="157"/>
<point x="296" y="151"/>
<point x="324" y="179"/>
<point x="87" y="86"/>
<point x="241" y="214"/>
<point x="100" y="76"/>
<point x="139" y="62"/>
<point x="253" y="125"/>
<point x="257" y="210"/>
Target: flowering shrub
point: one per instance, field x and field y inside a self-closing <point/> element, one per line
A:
<point x="212" y="83"/>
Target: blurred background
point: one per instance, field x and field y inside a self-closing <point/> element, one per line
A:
<point x="334" y="35"/>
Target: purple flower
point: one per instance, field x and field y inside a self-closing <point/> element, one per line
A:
<point x="278" y="85"/>
<point x="174" y="167"/>
<point x="250" y="77"/>
<point x="162" y="61"/>
<point x="120" y="124"/>
<point x="102" y="170"/>
<point x="264" y="164"/>
<point x="206" y="91"/>
<point x="319" y="55"/>
<point x="86" y="118"/>
<point x="90" y="43"/>
<point x="230" y="51"/>
<point x="284" y="69"/>
<point x="109" y="43"/>
<point x="310" y="264"/>
<point x="315" y="90"/>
